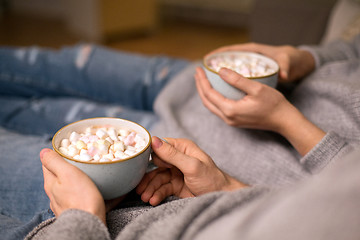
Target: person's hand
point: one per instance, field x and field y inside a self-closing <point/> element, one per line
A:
<point x="68" y="187"/>
<point x="262" y="108"/>
<point x="294" y="63"/>
<point x="185" y="171"/>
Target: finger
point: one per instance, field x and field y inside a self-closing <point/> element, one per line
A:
<point x="251" y="47"/>
<point x="54" y="162"/>
<point x="140" y="188"/>
<point x="160" y="163"/>
<point x="155" y="183"/>
<point x="170" y="154"/>
<point x="205" y="90"/>
<point x="160" y="194"/>
<point x="189" y="148"/>
<point x="284" y="75"/>
<point x="233" y="78"/>
<point x="217" y="103"/>
<point x="209" y="105"/>
<point x="49" y="180"/>
<point x="283" y="61"/>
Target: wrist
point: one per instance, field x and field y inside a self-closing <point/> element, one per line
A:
<point x="232" y="184"/>
<point x="300" y="132"/>
<point x="98" y="211"/>
<point x="285" y="119"/>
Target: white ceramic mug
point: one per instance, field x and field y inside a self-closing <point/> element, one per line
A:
<point x="226" y="89"/>
<point x="114" y="178"/>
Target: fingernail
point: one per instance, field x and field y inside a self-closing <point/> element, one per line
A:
<point x="156" y="143"/>
<point x="224" y="71"/>
<point x="284" y="74"/>
<point x="163" y="139"/>
<point x="43" y="151"/>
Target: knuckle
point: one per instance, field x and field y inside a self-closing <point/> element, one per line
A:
<point x="258" y="88"/>
<point x="231" y="123"/>
<point x="193" y="167"/>
<point x="229" y="112"/>
<point x="172" y="152"/>
<point x="206" y="94"/>
<point x="189" y="142"/>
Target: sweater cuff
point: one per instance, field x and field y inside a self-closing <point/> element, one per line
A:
<point x="72" y="224"/>
<point x="330" y="147"/>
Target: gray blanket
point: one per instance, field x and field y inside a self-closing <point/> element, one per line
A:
<point x="311" y="197"/>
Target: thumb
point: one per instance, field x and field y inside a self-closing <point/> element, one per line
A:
<point x="237" y="80"/>
<point x="284" y="66"/>
<point x="53" y="162"/>
<point x="169" y="154"/>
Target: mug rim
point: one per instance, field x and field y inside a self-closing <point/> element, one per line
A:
<point x="206" y="57"/>
<point x="96" y="163"/>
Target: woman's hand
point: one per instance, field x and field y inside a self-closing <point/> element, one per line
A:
<point x="185" y="171"/>
<point x="68" y="187"/>
<point x="262" y="108"/>
<point x="294" y="63"/>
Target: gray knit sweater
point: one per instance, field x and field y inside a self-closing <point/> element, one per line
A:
<point x="312" y="208"/>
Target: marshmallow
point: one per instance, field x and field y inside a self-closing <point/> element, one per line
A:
<point x="130" y="139"/>
<point x="74" y="136"/>
<point x="101" y="133"/>
<point x="72" y="151"/>
<point x="65" y="143"/>
<point x="120" y="155"/>
<point x="80" y="145"/>
<point x="102" y="144"/>
<point x="85" y="157"/>
<point x="245" y="65"/>
<point x="63" y="150"/>
<point x="119" y="146"/>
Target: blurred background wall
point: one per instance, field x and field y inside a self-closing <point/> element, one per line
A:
<point x="98" y="19"/>
<point x="183" y="28"/>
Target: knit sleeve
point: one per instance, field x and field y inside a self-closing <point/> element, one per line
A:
<point x="71" y="224"/>
<point x="330" y="148"/>
<point x="335" y="51"/>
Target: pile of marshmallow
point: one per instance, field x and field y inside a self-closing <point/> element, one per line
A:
<point x="246" y="65"/>
<point x="102" y="144"/>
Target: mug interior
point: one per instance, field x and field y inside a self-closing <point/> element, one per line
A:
<point x="241" y="54"/>
<point x="81" y="125"/>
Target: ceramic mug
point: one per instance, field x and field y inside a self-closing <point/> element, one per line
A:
<point x="114" y="178"/>
<point x="226" y="89"/>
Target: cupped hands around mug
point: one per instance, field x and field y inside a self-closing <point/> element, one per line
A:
<point x="184" y="171"/>
<point x="262" y="108"/>
<point x="294" y="63"/>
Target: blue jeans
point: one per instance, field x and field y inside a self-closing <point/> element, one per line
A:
<point x="41" y="90"/>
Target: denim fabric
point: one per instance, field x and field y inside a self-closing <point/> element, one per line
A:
<point x="41" y="90"/>
<point x="23" y="202"/>
<point x="96" y="75"/>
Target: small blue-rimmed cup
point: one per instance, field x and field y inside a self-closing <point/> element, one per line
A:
<point x="226" y="89"/>
<point x="115" y="178"/>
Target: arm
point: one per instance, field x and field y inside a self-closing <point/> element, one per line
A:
<point x="262" y="108"/>
<point x="305" y="210"/>
<point x="334" y="51"/>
